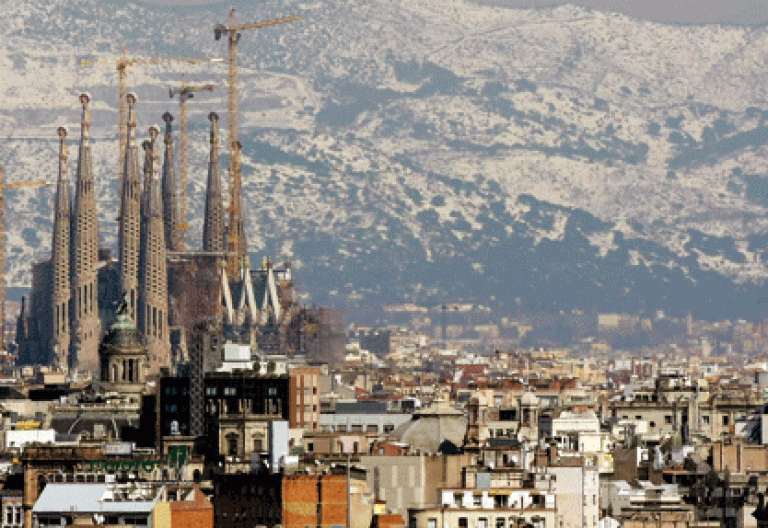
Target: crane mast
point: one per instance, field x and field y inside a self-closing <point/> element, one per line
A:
<point x="185" y="92"/>
<point x="237" y="247"/>
<point x="121" y="66"/>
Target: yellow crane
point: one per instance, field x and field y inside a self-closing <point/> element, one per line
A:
<point x="3" y="187"/>
<point x="236" y="246"/>
<point x="121" y="65"/>
<point x="185" y="92"/>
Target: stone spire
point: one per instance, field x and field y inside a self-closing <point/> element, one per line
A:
<point x="237" y="242"/>
<point x="86" y="328"/>
<point x="153" y="276"/>
<point x="213" y="228"/>
<point x="173" y="240"/>
<point x="129" y="228"/>
<point x="62" y="291"/>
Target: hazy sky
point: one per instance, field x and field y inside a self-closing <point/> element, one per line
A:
<point x="683" y="11"/>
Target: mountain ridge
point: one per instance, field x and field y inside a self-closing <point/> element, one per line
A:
<point x="554" y="159"/>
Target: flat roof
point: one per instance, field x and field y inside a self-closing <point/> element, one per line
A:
<point x="89" y="498"/>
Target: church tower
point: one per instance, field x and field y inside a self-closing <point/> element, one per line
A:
<point x="170" y="204"/>
<point x="61" y="283"/>
<point x="153" y="274"/>
<point x="86" y="328"/>
<point x="129" y="228"/>
<point x="213" y="227"/>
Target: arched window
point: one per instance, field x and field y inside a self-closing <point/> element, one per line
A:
<point x="232" y="444"/>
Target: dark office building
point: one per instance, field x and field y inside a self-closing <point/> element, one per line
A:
<point x="237" y="409"/>
<point x="174" y="408"/>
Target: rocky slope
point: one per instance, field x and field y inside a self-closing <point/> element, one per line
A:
<point x="430" y="151"/>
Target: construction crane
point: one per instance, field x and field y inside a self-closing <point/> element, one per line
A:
<point x="236" y="243"/>
<point x="121" y="65"/>
<point x="185" y="93"/>
<point x="3" y="187"/>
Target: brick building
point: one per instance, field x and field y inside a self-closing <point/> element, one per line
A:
<point x="314" y="500"/>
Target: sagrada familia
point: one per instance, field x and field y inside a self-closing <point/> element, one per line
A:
<point x="169" y="291"/>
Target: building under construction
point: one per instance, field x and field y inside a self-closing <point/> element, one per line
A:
<point x="170" y="290"/>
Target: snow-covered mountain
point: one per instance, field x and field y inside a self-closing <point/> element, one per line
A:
<point x="415" y="151"/>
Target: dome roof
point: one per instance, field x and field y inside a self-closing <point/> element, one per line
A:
<point x="430" y="427"/>
<point x="427" y="432"/>
<point x="123" y="336"/>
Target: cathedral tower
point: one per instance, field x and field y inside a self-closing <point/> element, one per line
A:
<point x="153" y="274"/>
<point x="86" y="328"/>
<point x="129" y="228"/>
<point x="213" y="228"/>
<point x="170" y="205"/>
<point x="60" y="253"/>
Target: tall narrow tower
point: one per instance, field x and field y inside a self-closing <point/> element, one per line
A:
<point x="213" y="228"/>
<point x="170" y="201"/>
<point x="153" y="275"/>
<point x="86" y="328"/>
<point x="62" y="292"/>
<point x="129" y="228"/>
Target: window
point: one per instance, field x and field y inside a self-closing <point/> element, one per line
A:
<point x="463" y="523"/>
<point x="725" y="420"/>
<point x="457" y="499"/>
<point x="232" y="444"/>
<point x="668" y="419"/>
<point x="388" y="428"/>
<point x="500" y="522"/>
<point x="8" y="515"/>
<point x="652" y="424"/>
<point x="477" y="500"/>
<point x="482" y="522"/>
<point x="705" y="419"/>
<point x="230" y="391"/>
<point x="271" y="391"/>
<point x="210" y="391"/>
<point x="432" y="523"/>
